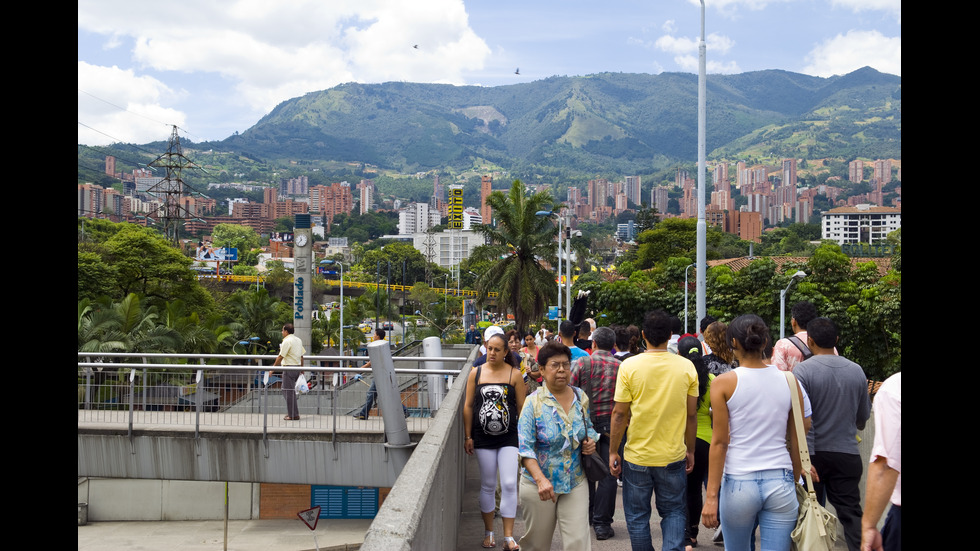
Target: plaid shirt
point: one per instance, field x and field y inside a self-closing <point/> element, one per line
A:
<point x="597" y="375"/>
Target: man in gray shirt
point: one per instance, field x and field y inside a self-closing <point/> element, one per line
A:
<point x="838" y="391"/>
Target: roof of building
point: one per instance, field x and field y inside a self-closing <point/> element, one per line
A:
<point x="864" y="209"/>
<point x="736" y="264"/>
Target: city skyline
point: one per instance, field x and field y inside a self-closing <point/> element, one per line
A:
<point x="214" y="69"/>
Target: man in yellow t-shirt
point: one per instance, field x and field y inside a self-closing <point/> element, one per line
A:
<point x="657" y="395"/>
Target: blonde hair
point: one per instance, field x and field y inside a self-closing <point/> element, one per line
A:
<point x="714" y="335"/>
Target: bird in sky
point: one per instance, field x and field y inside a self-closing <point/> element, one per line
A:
<point x="517" y="71"/>
<point x="416" y="46"/>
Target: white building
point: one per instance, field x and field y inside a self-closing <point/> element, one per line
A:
<point x="416" y="218"/>
<point x="449" y="247"/>
<point x="860" y="224"/>
<point x="471" y="217"/>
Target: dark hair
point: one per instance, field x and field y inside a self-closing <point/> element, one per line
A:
<point x="823" y="331"/>
<point x="675" y="325"/>
<point x="690" y="348"/>
<point x="567" y="329"/>
<point x="803" y="312"/>
<point x="657" y="327"/>
<point x="622" y="338"/>
<point x="508" y="356"/>
<point x="380" y="333"/>
<point x="514" y="333"/>
<point x="551" y="349"/>
<point x="751" y="333"/>
<point x="603" y="338"/>
<point x="289" y="328"/>
<point x="636" y="339"/>
<point x="705" y="322"/>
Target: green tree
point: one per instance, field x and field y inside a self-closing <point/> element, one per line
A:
<point x="521" y="239"/>
<point x="237" y="236"/>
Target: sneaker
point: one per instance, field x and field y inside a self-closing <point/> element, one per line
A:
<point x="360" y="416"/>
<point x="604" y="532"/>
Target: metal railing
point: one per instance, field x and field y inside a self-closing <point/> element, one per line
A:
<point x="158" y="392"/>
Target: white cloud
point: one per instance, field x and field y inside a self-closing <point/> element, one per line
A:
<point x="272" y="51"/>
<point x="123" y="90"/>
<point x="892" y="6"/>
<point x="845" y="53"/>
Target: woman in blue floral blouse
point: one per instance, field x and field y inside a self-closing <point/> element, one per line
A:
<point x="553" y="432"/>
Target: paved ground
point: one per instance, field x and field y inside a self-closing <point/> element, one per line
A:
<point x="331" y="535"/>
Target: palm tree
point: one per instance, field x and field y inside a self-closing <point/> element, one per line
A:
<point x="517" y="244"/>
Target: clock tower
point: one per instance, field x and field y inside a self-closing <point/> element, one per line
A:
<point x="303" y="304"/>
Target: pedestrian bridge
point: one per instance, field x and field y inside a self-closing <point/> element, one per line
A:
<point x="159" y="420"/>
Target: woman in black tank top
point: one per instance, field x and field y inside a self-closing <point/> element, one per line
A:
<point x="494" y="397"/>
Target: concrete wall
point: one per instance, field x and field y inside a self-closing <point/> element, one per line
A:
<point x="422" y="510"/>
<point x="157" y="500"/>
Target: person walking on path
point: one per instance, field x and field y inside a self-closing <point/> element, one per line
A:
<point x="495" y="395"/>
<point x="751" y="473"/>
<point x="596" y="375"/>
<point x="838" y="392"/>
<point x="657" y="394"/>
<point x="885" y="471"/>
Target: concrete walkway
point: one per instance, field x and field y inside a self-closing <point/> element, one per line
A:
<point x="471" y="523"/>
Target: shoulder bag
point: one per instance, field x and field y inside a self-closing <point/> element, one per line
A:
<point x="816" y="527"/>
<point x="595" y="468"/>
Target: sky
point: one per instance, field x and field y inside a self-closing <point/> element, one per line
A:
<point x="213" y="68"/>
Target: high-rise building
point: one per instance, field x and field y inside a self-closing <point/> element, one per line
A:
<point x="855" y="171"/>
<point x="416" y="218"/>
<point x="883" y="171"/>
<point x="659" y="199"/>
<point x="90" y="200"/>
<point x="329" y="201"/>
<point x="366" y="189"/>
<point x="720" y="178"/>
<point x="632" y="188"/>
<point x="110" y="166"/>
<point x="598" y="192"/>
<point x="789" y="172"/>
<point x="486" y="186"/>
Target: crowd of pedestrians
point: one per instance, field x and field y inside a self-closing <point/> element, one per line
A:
<point x="694" y="424"/>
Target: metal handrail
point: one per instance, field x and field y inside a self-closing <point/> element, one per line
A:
<point x="143" y="368"/>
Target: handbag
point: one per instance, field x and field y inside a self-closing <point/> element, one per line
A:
<point x="816" y="527"/>
<point x="595" y="468"/>
<point x="301" y="385"/>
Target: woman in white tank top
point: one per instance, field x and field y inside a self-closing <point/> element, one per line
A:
<point x="751" y="472"/>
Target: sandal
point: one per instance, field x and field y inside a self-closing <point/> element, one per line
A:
<point x="489" y="542"/>
<point x="508" y="539"/>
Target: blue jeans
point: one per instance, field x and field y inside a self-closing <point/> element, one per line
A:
<point x="764" y="497"/>
<point x="669" y="484"/>
<point x="372" y="396"/>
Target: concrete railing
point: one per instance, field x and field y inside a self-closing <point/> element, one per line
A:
<point x="422" y="510"/>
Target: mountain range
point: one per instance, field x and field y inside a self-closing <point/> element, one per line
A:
<point x="624" y="122"/>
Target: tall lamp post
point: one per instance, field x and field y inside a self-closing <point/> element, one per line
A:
<point x="689" y="266"/>
<point x="782" y="302"/>
<point x="702" y="226"/>
<point x="560" y="235"/>
<point x="331" y="263"/>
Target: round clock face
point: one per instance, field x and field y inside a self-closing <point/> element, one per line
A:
<point x="301" y="240"/>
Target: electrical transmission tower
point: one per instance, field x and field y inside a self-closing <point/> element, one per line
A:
<point x="172" y="188"/>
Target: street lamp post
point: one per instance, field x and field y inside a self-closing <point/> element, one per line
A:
<point x="560" y="236"/>
<point x="689" y="266"/>
<point x="330" y="263"/>
<point x="800" y="274"/>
